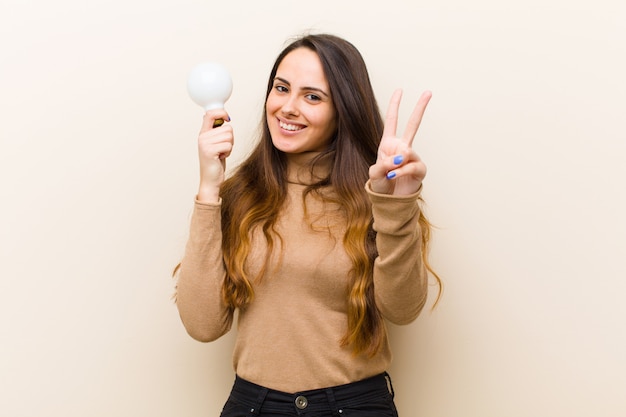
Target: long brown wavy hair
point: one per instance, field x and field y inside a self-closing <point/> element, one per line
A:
<point x="253" y="195"/>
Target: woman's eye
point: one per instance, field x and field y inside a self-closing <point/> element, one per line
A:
<point x="281" y="89"/>
<point x="313" y="97"/>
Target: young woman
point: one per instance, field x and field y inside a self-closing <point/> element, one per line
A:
<point x="316" y="239"/>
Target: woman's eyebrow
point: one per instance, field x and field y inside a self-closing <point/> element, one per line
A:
<point x="282" y="80"/>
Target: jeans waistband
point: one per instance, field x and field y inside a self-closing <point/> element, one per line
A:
<point x="256" y="396"/>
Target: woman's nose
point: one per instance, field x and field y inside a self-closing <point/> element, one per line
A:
<point x="290" y="106"/>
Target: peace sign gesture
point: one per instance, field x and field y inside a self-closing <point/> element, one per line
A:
<point x="398" y="169"/>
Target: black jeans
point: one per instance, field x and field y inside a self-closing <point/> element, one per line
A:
<point x="372" y="397"/>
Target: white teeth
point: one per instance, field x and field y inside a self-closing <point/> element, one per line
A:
<point x="292" y="128"/>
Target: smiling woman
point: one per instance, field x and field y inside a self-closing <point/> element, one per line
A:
<point x="316" y="238"/>
<point x="300" y="112"/>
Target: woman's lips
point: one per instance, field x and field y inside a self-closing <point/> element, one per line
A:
<point x="291" y="127"/>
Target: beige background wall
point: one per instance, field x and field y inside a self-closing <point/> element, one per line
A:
<point x="525" y="143"/>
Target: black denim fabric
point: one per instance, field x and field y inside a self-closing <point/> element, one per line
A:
<point x="372" y="397"/>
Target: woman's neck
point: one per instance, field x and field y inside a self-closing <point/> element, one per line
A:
<point x="299" y="168"/>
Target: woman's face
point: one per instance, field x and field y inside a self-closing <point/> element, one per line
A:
<point x="299" y="109"/>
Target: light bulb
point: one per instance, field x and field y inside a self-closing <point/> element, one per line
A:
<point x="209" y="85"/>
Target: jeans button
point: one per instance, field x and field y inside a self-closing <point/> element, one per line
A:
<point x="301" y="402"/>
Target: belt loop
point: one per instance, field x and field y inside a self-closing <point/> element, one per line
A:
<point x="331" y="402"/>
<point x="389" y="385"/>
<point x="259" y="402"/>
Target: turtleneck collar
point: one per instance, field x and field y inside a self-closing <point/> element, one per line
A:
<point x="299" y="168"/>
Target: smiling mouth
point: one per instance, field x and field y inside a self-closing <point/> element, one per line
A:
<point x="290" y="127"/>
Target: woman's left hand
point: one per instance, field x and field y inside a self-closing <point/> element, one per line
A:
<point x="398" y="169"/>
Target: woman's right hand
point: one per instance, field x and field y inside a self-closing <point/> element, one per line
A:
<point x="214" y="146"/>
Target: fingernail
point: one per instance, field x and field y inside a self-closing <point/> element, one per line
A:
<point x="391" y="175"/>
<point x="228" y="119"/>
<point x="398" y="159"/>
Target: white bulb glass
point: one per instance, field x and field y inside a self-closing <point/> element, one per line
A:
<point x="209" y="85"/>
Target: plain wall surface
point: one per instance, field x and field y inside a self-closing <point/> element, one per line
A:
<point x="525" y="143"/>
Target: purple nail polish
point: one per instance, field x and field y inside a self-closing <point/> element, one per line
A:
<point x="391" y="175"/>
<point x="398" y="159"/>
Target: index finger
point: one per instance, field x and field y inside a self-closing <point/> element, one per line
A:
<point x="416" y="117"/>
<point x="391" y="119"/>
<point x="210" y="117"/>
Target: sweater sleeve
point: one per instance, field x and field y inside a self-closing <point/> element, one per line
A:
<point x="400" y="276"/>
<point x="198" y="294"/>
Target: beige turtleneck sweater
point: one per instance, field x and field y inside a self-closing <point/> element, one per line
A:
<point x="288" y="338"/>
